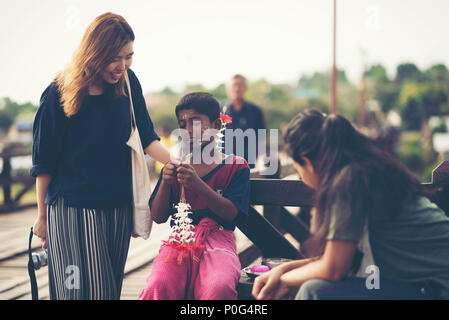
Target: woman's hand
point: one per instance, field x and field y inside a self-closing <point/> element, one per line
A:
<point x="266" y="285"/>
<point x="40" y="230"/>
<point x="284" y="292"/>
<point x="270" y="286"/>
<point x="158" y="152"/>
<point x="188" y="177"/>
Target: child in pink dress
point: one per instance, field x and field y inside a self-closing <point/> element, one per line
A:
<point x="217" y="194"/>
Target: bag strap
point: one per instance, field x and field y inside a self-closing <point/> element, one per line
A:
<point x="31" y="272"/>
<point x="131" y="106"/>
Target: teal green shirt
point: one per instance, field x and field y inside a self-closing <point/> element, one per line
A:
<point x="411" y="247"/>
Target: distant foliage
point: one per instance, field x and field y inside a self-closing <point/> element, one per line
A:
<point x="10" y="111"/>
<point x="415" y="94"/>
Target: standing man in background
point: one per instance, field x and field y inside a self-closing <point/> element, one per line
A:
<point x="245" y="115"/>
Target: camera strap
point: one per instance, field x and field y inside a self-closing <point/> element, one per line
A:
<point x="31" y="272"/>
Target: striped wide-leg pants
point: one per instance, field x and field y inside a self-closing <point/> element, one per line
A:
<point x="87" y="251"/>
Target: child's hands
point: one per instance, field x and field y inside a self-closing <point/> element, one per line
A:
<point x="188" y="177"/>
<point x="169" y="173"/>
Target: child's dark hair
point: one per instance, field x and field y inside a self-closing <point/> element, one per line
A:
<point x="331" y="143"/>
<point x="202" y="102"/>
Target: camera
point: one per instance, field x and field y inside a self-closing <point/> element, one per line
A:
<point x="40" y="259"/>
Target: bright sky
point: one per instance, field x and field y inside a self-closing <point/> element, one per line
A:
<point x="207" y="41"/>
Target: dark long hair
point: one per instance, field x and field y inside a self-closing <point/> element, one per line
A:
<point x="331" y="143"/>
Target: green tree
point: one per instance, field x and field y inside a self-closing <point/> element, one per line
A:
<point x="386" y="93"/>
<point x="195" y="87"/>
<point x="377" y="73"/>
<point x="168" y="91"/>
<point x="322" y="80"/>
<point x="11" y="110"/>
<point x="407" y="72"/>
<point x="438" y="73"/>
<point x="257" y="91"/>
<point x="6" y="120"/>
<point x="434" y="100"/>
<point x="220" y="92"/>
<point x="410" y="106"/>
<point x="381" y="88"/>
<point x="419" y="101"/>
<point x="347" y="93"/>
<point x="279" y="94"/>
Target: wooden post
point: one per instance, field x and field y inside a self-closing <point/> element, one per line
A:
<point x="273" y="213"/>
<point x="440" y="179"/>
<point x="362" y="103"/>
<point x="6" y="174"/>
<point x="440" y="175"/>
<point x="334" y="78"/>
<point x="262" y="233"/>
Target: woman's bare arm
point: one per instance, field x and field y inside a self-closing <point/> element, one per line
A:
<point x="40" y="225"/>
<point x="42" y="182"/>
<point x="157" y="151"/>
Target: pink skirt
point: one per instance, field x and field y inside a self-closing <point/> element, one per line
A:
<point x="209" y="273"/>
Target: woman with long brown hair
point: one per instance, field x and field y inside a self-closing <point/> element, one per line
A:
<point x="377" y="234"/>
<point x="82" y="164"/>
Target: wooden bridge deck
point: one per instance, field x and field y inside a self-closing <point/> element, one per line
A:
<point x="266" y="195"/>
<point x="14" y="280"/>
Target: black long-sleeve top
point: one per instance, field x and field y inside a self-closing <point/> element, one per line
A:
<point x="86" y="154"/>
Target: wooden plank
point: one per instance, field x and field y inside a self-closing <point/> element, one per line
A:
<point x="273" y="215"/>
<point x="14" y="206"/>
<point x="440" y="186"/>
<point x="294" y="225"/>
<point x="280" y="192"/>
<point x="440" y="175"/>
<point x="141" y="255"/>
<point x="16" y="247"/>
<point x="27" y="187"/>
<point x="262" y="233"/>
<point x="248" y="255"/>
<point x="20" y="286"/>
<point x="141" y="252"/>
<point x="20" y="179"/>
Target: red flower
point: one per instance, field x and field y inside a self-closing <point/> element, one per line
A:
<point x="225" y="118"/>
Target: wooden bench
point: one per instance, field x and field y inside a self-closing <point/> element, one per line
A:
<point x="266" y="231"/>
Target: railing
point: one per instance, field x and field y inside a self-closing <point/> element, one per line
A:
<point x="8" y="178"/>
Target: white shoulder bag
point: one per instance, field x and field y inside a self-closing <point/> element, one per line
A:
<point x="141" y="188"/>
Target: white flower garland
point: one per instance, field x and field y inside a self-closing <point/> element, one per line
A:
<point x="182" y="230"/>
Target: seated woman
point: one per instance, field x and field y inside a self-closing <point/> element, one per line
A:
<point x="365" y="202"/>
